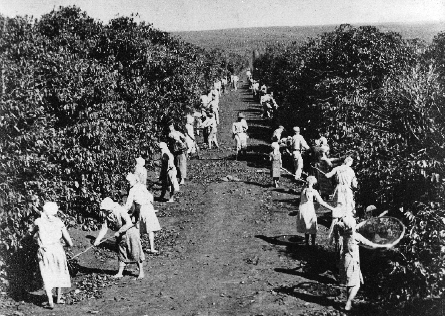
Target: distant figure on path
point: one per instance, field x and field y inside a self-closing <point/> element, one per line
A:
<point x="235" y="79"/>
<point x="248" y="74"/>
<point x="276" y="136"/>
<point x="239" y="133"/>
<point x="168" y="173"/>
<point x="140" y="171"/>
<point x="297" y="145"/>
<point x="210" y="123"/>
<point x="275" y="158"/>
<point x="179" y="150"/>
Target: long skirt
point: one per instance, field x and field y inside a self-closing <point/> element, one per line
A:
<point x="344" y="195"/>
<point x="181" y="165"/>
<point x="130" y="247"/>
<point x="148" y="220"/>
<point x="307" y="219"/>
<point x="53" y="266"/>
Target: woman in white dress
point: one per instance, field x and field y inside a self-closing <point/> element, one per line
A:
<point x="307" y="219"/>
<point x="52" y="259"/>
<point x="146" y="218"/>
<point x="140" y="171"/>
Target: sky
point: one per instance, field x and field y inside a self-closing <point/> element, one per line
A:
<point x="191" y="15"/>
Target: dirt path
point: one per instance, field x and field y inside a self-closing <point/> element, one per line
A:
<point x="227" y="247"/>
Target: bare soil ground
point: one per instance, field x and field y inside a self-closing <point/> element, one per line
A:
<point x="226" y="248"/>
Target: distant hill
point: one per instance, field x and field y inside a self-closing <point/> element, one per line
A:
<point x="244" y="40"/>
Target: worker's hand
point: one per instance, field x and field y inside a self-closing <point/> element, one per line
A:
<point x="117" y="234"/>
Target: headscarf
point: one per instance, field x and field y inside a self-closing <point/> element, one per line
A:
<point x="107" y="204"/>
<point x="132" y="178"/>
<point x="190" y="119"/>
<point x="50" y="208"/>
<point x="140" y="161"/>
<point x="163" y="146"/>
<point x="310" y="180"/>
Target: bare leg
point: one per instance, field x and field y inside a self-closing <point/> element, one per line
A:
<point x="352" y="292"/>
<point x="141" y="270"/>
<point x="120" y="273"/>
<point x="151" y="238"/>
<point x="59" y="295"/>
<point x="49" y="294"/>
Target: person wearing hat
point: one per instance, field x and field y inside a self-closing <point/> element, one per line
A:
<point x="239" y="133"/>
<point x="127" y="236"/>
<point x="179" y="151"/>
<point x="168" y="173"/>
<point x="140" y="171"/>
<point x="48" y="230"/>
<point x="298" y="144"/>
<point x="146" y="218"/>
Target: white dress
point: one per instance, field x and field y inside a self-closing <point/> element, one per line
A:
<point x="51" y="256"/>
<point x="144" y="200"/>
<point x="307" y="219"/>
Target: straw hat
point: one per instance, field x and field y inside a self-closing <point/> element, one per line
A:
<point x="296" y="129"/>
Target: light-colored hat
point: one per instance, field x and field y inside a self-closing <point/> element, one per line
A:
<point x="163" y="145"/>
<point x="241" y="114"/>
<point x="296" y="129"/>
<point x="107" y="204"/>
<point x="370" y="208"/>
<point x="50" y="208"/>
<point x="140" y="161"/>
<point x="131" y="177"/>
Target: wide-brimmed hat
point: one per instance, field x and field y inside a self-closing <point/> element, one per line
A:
<point x="296" y="129"/>
<point x="50" y="208"/>
<point x="140" y="161"/>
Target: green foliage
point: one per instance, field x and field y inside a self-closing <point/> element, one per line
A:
<point x="380" y="99"/>
<point x="79" y="101"/>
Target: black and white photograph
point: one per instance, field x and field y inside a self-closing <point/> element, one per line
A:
<point x="225" y="157"/>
